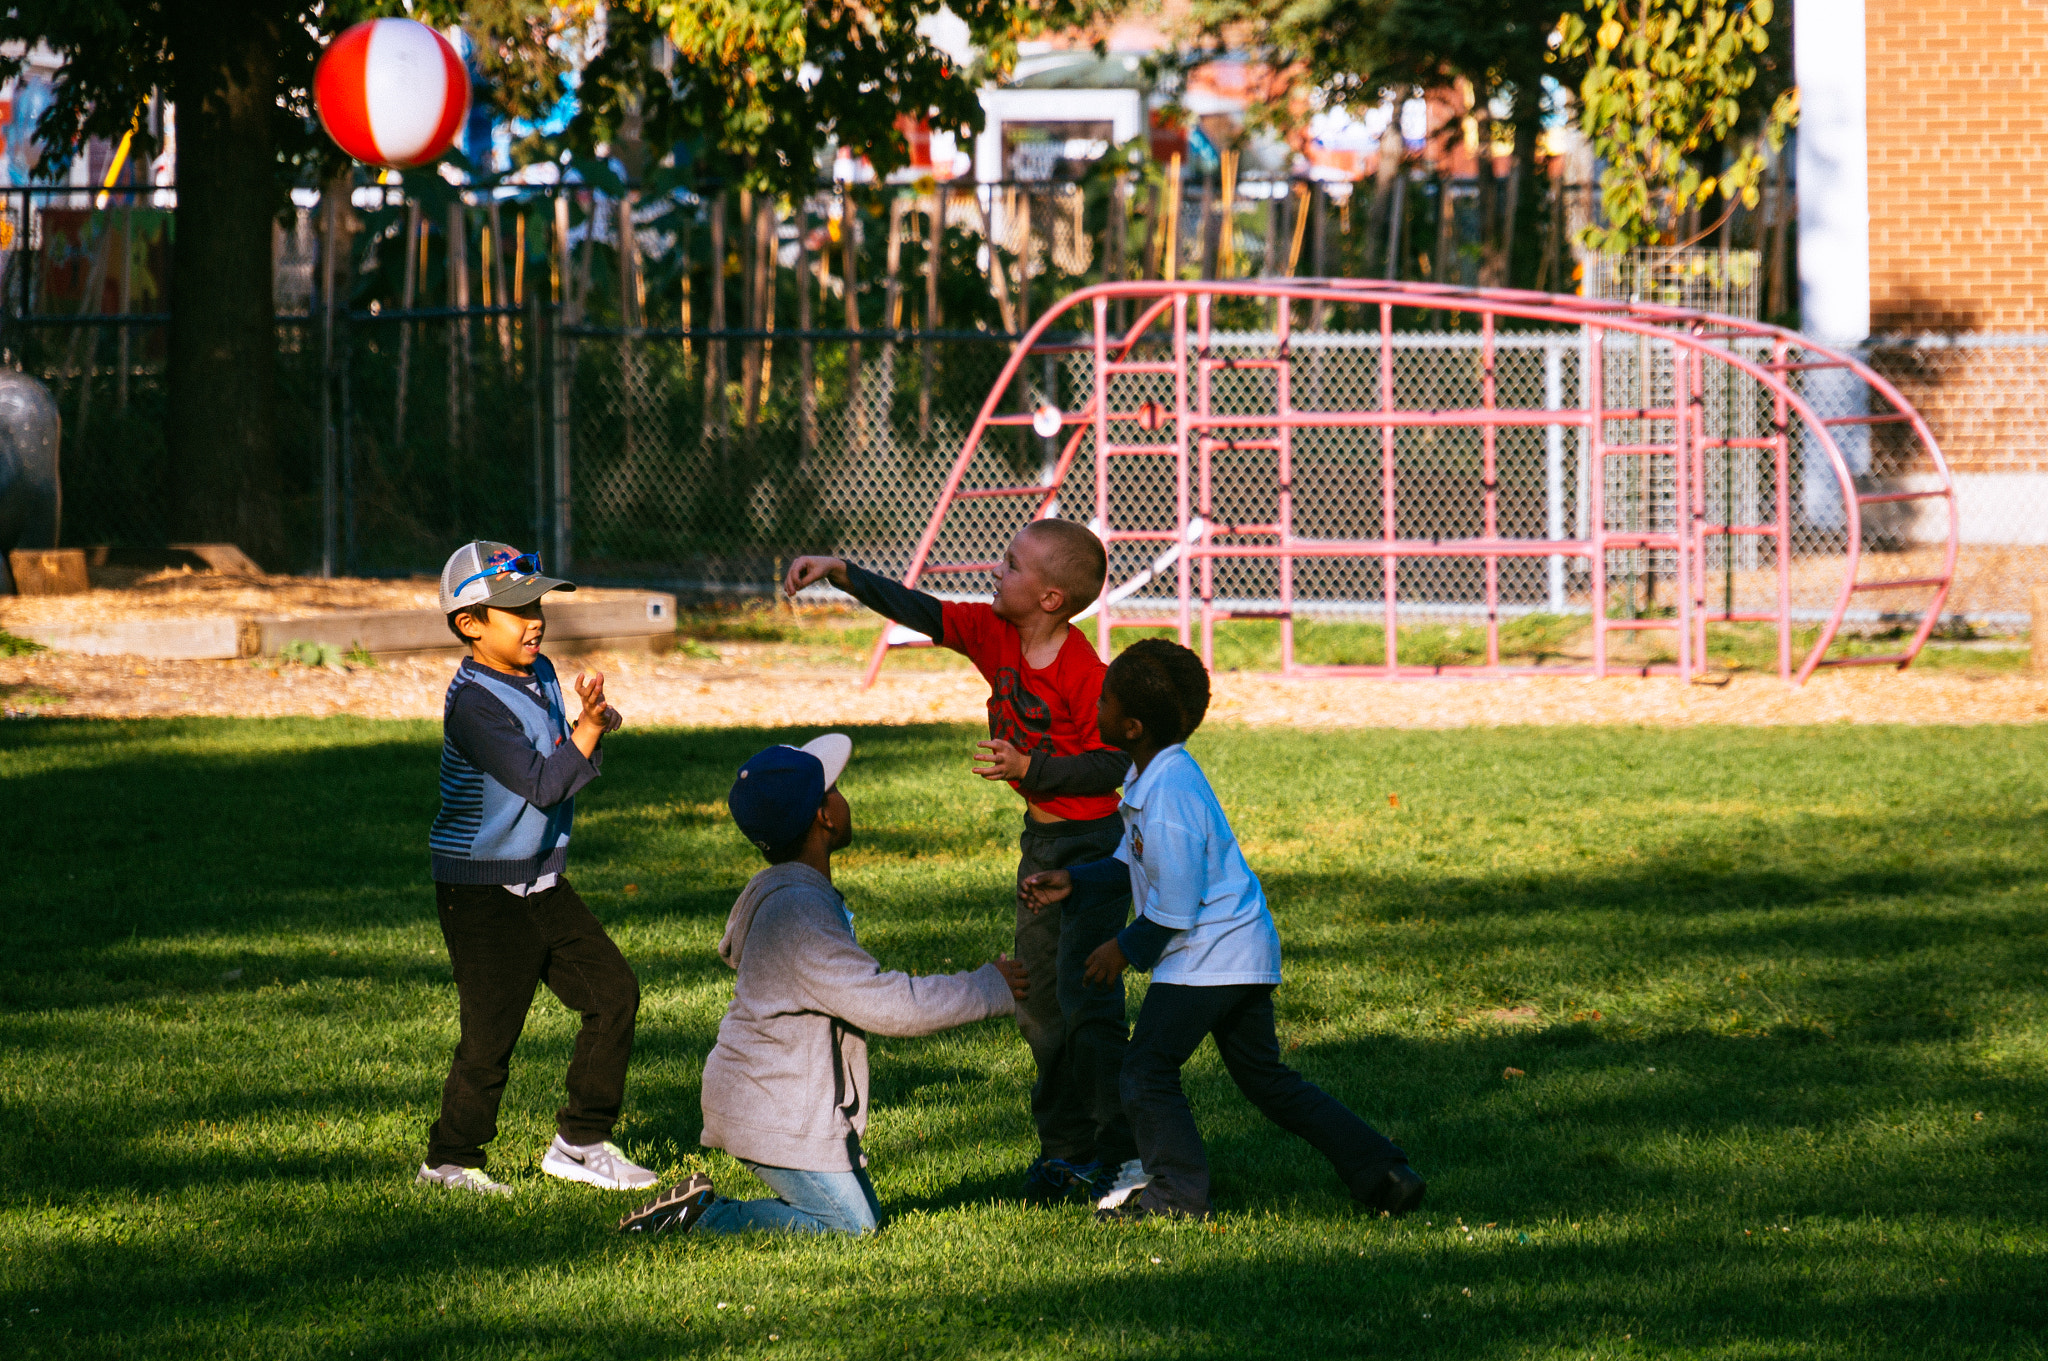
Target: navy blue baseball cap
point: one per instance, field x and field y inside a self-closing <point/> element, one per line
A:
<point x="779" y="791"/>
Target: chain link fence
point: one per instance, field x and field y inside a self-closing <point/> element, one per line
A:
<point x="498" y="372"/>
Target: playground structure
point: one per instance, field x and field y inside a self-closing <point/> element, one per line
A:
<point x="1600" y="450"/>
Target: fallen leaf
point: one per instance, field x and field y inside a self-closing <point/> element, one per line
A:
<point x="1512" y="1073"/>
<point x="632" y="888"/>
<point x="1393" y="800"/>
<point x="1978" y="1116"/>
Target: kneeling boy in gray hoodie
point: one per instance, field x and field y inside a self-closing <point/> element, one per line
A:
<point x="786" y="1086"/>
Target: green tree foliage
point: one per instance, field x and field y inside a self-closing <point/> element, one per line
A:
<point x="240" y="75"/>
<point x="760" y="88"/>
<point x="1356" y="50"/>
<point x="1666" y="83"/>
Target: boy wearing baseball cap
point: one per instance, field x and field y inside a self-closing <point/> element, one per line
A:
<point x="511" y="764"/>
<point x="786" y="1085"/>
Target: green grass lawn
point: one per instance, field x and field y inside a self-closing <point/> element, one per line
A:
<point x="1776" y="996"/>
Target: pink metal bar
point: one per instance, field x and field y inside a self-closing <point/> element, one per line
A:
<point x="1406" y="548"/>
<point x="1101" y="460"/>
<point x="1696" y="529"/>
<point x="1682" y="461"/>
<point x="1489" y="486"/>
<point x="1388" y="561"/>
<point x="1476" y="417"/>
<point x="1180" y="456"/>
<point x="1781" y="445"/>
<point x="1596" y="486"/>
<point x="1691" y="337"/>
<point x="1204" y="501"/>
<point x="1283" y="472"/>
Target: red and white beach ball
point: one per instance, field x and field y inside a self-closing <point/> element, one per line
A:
<point x="391" y="92"/>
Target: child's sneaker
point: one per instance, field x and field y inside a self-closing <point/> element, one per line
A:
<point x="1054" y="1179"/>
<point x="675" y="1210"/>
<point x="1134" y="1210"/>
<point x="601" y="1164"/>
<point x="1393" y="1191"/>
<point x="461" y="1179"/>
<point x="1131" y="1178"/>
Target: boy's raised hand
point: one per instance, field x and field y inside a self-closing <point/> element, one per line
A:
<point x="596" y="712"/>
<point x="1043" y="889"/>
<point x="1104" y="964"/>
<point x="807" y="571"/>
<point x="996" y="759"/>
<point x="1014" y="974"/>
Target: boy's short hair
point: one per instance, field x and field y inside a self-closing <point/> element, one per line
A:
<point x="1074" y="558"/>
<point x="789" y="850"/>
<point x="480" y="613"/>
<point x="1163" y="685"/>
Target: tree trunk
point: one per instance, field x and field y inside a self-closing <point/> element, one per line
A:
<point x="1524" y="196"/>
<point x="1490" y="255"/>
<point x="1392" y="152"/>
<point x="223" y="335"/>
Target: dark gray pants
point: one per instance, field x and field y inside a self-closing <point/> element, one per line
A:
<point x="500" y="945"/>
<point x="1170" y="1028"/>
<point x="1077" y="1033"/>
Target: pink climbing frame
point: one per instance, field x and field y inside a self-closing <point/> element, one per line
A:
<point x="1170" y="343"/>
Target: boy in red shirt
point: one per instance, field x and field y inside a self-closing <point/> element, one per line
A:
<point x="1044" y="681"/>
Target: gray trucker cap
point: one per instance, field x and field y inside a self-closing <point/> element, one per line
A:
<point x="486" y="573"/>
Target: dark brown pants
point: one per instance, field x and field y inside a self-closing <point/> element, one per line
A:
<point x="500" y="945"/>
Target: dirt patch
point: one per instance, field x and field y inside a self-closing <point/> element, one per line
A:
<point x="737" y="689"/>
<point x="119" y="595"/>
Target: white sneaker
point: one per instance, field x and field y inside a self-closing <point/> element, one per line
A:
<point x="599" y="1164"/>
<point x="1131" y="1178"/>
<point x="461" y="1179"/>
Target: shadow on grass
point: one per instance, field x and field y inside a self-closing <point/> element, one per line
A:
<point x="317" y="831"/>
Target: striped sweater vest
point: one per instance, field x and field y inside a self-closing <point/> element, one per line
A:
<point x="485" y="833"/>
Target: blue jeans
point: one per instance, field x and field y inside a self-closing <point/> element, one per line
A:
<point x="807" y="1202"/>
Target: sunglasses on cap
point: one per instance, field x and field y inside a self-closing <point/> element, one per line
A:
<point x="526" y="564"/>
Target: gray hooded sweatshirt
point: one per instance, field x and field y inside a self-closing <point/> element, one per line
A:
<point x="787" y="1083"/>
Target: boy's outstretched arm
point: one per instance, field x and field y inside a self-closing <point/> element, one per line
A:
<point x="1088" y="884"/>
<point x="914" y="609"/>
<point x="1100" y="771"/>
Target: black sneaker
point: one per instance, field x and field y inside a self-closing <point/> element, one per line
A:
<point x="1049" y="1180"/>
<point x="1394" y="1191"/>
<point x="675" y="1210"/>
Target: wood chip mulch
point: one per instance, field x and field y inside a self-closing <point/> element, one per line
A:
<point x="745" y="687"/>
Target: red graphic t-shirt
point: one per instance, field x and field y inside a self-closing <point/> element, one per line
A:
<point x="1050" y="710"/>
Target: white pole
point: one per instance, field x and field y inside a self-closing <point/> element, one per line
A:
<point x="1833" y="165"/>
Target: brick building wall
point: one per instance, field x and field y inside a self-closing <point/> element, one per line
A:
<point x="1958" y="123"/>
<point x="1957" y="120"/>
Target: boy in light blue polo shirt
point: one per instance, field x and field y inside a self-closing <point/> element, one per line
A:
<point x="1204" y="933"/>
